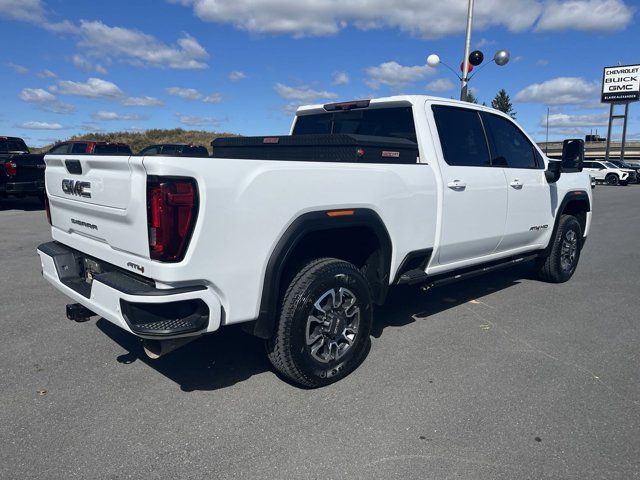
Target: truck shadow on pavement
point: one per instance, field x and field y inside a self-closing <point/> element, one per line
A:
<point x="231" y="356"/>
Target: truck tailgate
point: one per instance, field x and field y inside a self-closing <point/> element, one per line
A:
<point x="99" y="198"/>
<point x="29" y="168"/>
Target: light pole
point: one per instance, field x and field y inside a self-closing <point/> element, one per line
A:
<point x="467" y="48"/>
<point x="471" y="59"/>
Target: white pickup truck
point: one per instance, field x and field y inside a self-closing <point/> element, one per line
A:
<point x="299" y="236"/>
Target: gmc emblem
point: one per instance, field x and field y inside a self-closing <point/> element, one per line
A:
<point x="76" y="187"/>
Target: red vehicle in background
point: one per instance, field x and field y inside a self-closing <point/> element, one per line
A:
<point x="90" y="147"/>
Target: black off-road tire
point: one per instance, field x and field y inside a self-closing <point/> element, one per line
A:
<point x="288" y="350"/>
<point x="551" y="268"/>
<point x="612" y="179"/>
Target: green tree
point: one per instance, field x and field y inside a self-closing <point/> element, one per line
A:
<point x="503" y="103"/>
<point x="471" y="98"/>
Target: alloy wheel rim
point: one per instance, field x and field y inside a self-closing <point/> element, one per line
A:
<point x="333" y="325"/>
<point x="569" y="250"/>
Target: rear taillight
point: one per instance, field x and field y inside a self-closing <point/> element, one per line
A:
<point x="172" y="209"/>
<point x="47" y="209"/>
<point x="10" y="168"/>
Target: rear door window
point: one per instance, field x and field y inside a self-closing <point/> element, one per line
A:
<point x="195" y="151"/>
<point x="60" y="149"/>
<point x="462" y="136"/>
<point x="150" y="151"/>
<point x="169" y="150"/>
<point x="105" y="149"/>
<point x="79" y="148"/>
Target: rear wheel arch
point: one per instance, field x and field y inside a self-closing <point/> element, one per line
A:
<point x="360" y="238"/>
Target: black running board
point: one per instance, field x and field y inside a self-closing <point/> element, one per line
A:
<point x="420" y="277"/>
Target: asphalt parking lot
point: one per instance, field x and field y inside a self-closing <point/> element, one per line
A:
<point x="501" y="377"/>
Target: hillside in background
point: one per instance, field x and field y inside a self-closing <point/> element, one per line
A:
<point x="138" y="140"/>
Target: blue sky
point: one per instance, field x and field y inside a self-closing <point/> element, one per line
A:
<point x="242" y="66"/>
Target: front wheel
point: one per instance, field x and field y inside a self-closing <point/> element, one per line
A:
<point x="324" y="324"/>
<point x="561" y="262"/>
<point x="612" y="179"/>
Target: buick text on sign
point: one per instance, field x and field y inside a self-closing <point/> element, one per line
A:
<point x="621" y="84"/>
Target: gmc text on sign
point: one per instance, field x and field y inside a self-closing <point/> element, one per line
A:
<point x="621" y="84"/>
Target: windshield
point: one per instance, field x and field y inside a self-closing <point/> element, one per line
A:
<point x="610" y="165"/>
<point x="380" y="122"/>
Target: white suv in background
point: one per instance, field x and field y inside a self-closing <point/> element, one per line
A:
<point x="607" y="172"/>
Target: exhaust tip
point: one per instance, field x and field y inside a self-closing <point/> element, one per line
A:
<point x="155" y="349"/>
<point x="152" y="349"/>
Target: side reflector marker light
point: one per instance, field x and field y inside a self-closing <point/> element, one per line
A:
<point x="340" y="213"/>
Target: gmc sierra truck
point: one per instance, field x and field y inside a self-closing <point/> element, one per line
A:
<point x="298" y="237"/>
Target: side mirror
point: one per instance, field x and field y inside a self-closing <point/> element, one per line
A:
<point x="572" y="155"/>
<point x="553" y="171"/>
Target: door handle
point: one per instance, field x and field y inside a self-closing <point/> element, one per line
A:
<point x="517" y="184"/>
<point x="457" y="185"/>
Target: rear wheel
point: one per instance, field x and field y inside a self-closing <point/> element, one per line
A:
<point x="612" y="179"/>
<point x="561" y="262"/>
<point x="324" y="324"/>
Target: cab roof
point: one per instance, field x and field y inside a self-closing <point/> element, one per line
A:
<point x="396" y="100"/>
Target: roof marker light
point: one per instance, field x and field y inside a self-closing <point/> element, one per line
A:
<point x="332" y="107"/>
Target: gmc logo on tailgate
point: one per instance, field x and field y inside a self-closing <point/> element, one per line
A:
<point x="76" y="187"/>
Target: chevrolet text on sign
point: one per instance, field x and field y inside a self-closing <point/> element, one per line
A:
<point x="621" y="84"/>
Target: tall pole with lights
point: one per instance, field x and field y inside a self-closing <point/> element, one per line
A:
<point x="471" y="59"/>
<point x="467" y="49"/>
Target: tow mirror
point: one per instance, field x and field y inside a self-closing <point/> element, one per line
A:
<point x="572" y="155"/>
<point x="553" y="171"/>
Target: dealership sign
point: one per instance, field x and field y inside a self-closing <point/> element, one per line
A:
<point x="621" y="84"/>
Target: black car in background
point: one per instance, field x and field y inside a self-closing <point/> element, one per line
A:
<point x="21" y="172"/>
<point x="175" y="150"/>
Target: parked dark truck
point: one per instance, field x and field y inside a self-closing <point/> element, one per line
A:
<point x="21" y="172"/>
